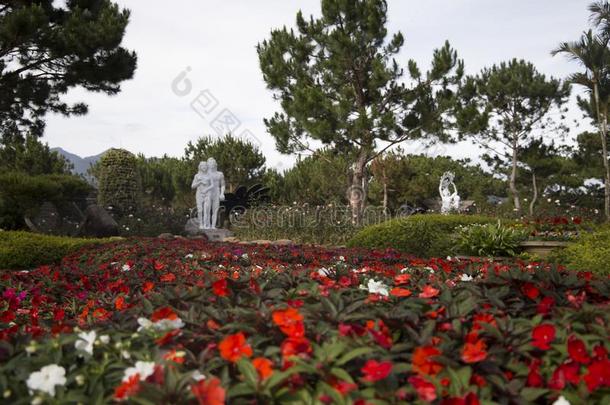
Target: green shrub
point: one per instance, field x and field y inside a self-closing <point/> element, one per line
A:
<point x="590" y="253"/>
<point x="120" y="186"/>
<point x="21" y="195"/>
<point x="420" y="235"/>
<point x="25" y="250"/>
<point x="489" y="240"/>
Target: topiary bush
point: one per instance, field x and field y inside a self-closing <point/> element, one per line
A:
<point x="120" y="186"/>
<point x="26" y="250"/>
<point x="421" y="235"/>
<point x="590" y="253"/>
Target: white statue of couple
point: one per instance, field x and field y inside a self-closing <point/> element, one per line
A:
<point x="450" y="199"/>
<point x="210" y="186"/>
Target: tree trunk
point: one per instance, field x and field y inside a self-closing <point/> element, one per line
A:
<point x="357" y="191"/>
<point x="385" y="191"/>
<point x="513" y="177"/>
<point x="602" y="119"/>
<point x="535" y="197"/>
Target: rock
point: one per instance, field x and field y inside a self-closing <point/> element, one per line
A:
<point x="231" y="239"/>
<point x="262" y="242"/>
<point x="167" y="236"/>
<point x="217" y="235"/>
<point x="98" y="223"/>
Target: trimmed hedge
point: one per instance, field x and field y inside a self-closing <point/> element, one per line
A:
<point x="21" y="194"/>
<point x="428" y="235"/>
<point x="120" y="186"/>
<point x="26" y="250"/>
<point x="591" y="252"/>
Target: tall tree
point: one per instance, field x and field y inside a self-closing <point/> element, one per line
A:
<point x="339" y="84"/>
<point x="505" y="107"/>
<point x="47" y="48"/>
<point x="592" y="53"/>
<point x="241" y="162"/>
<point x="26" y="154"/>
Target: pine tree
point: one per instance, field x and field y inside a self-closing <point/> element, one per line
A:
<point x="339" y="84"/>
<point x="47" y="48"/>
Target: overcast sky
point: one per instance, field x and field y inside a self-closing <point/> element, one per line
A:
<point x="216" y="40"/>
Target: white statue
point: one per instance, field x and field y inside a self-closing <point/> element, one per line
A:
<point x="210" y="185"/>
<point x="203" y="184"/>
<point x="217" y="193"/>
<point x="450" y="199"/>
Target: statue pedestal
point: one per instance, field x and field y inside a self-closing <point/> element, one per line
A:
<point x="213" y="235"/>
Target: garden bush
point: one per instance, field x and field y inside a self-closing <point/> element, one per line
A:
<point x="420" y="235"/>
<point x="120" y="186"/>
<point x="25" y="250"/>
<point x="492" y="240"/>
<point x="591" y="252"/>
<point x="22" y="194"/>
<point x="149" y="321"/>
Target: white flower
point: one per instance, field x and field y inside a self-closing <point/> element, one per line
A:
<point x="80" y="380"/>
<point x="341" y="258"/>
<point x="245" y="256"/>
<point x="47" y="379"/>
<point x="324" y="272"/>
<point x="189" y="256"/>
<point x="125" y="268"/>
<point x="162" y="325"/>
<point x="465" y="277"/>
<point x="377" y="287"/>
<point x="105" y="339"/>
<point x="197" y="376"/>
<point x="125" y="354"/>
<point x="561" y="401"/>
<point x="85" y="341"/>
<point x="144" y="368"/>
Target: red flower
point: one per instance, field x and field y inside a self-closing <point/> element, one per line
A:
<point x="598" y="375"/>
<point x="343" y="387"/>
<point x="542" y="336"/>
<point x="168" y="277"/>
<point x="565" y="373"/>
<point x="534" y="379"/>
<point x="101" y="314"/>
<point x="530" y="291"/>
<point x="219" y="288"/>
<point x="577" y="350"/>
<point x="148" y="285"/>
<point x="295" y="346"/>
<point x="470" y="399"/>
<point x="234" y="347"/>
<point x="374" y="371"/>
<point x="421" y="362"/>
<point x="209" y="392"/>
<point x="119" y="303"/>
<point x="545" y="305"/>
<point x="163" y="313"/>
<point x="263" y="366"/>
<point x="474" y="352"/>
<point x="400" y="292"/>
<point x="128" y="388"/>
<point x="402" y="279"/>
<point x="290" y="322"/>
<point x="429" y="292"/>
<point x="425" y="389"/>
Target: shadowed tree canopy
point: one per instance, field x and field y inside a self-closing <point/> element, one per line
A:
<point x="506" y="107"/>
<point x="47" y="48"/>
<point x="242" y="163"/>
<point x="339" y="84"/>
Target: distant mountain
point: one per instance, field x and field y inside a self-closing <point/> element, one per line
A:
<point x="81" y="165"/>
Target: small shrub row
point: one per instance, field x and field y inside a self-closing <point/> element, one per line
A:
<point x="25" y="250"/>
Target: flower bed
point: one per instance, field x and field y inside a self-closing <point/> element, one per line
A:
<point x="151" y="321"/>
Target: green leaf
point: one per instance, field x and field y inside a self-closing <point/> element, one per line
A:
<point x="361" y="351"/>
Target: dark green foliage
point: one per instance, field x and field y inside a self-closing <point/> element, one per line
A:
<point x="120" y="185"/>
<point x="492" y="240"/>
<point x="29" y="155"/>
<point x="420" y="235"/>
<point x="25" y="250"/>
<point x="22" y="195"/>
<point x="503" y="107"/>
<point x="590" y="253"/>
<point x="47" y="49"/>
<point x="338" y="83"/>
<point x="412" y="179"/>
<point x="241" y="162"/>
